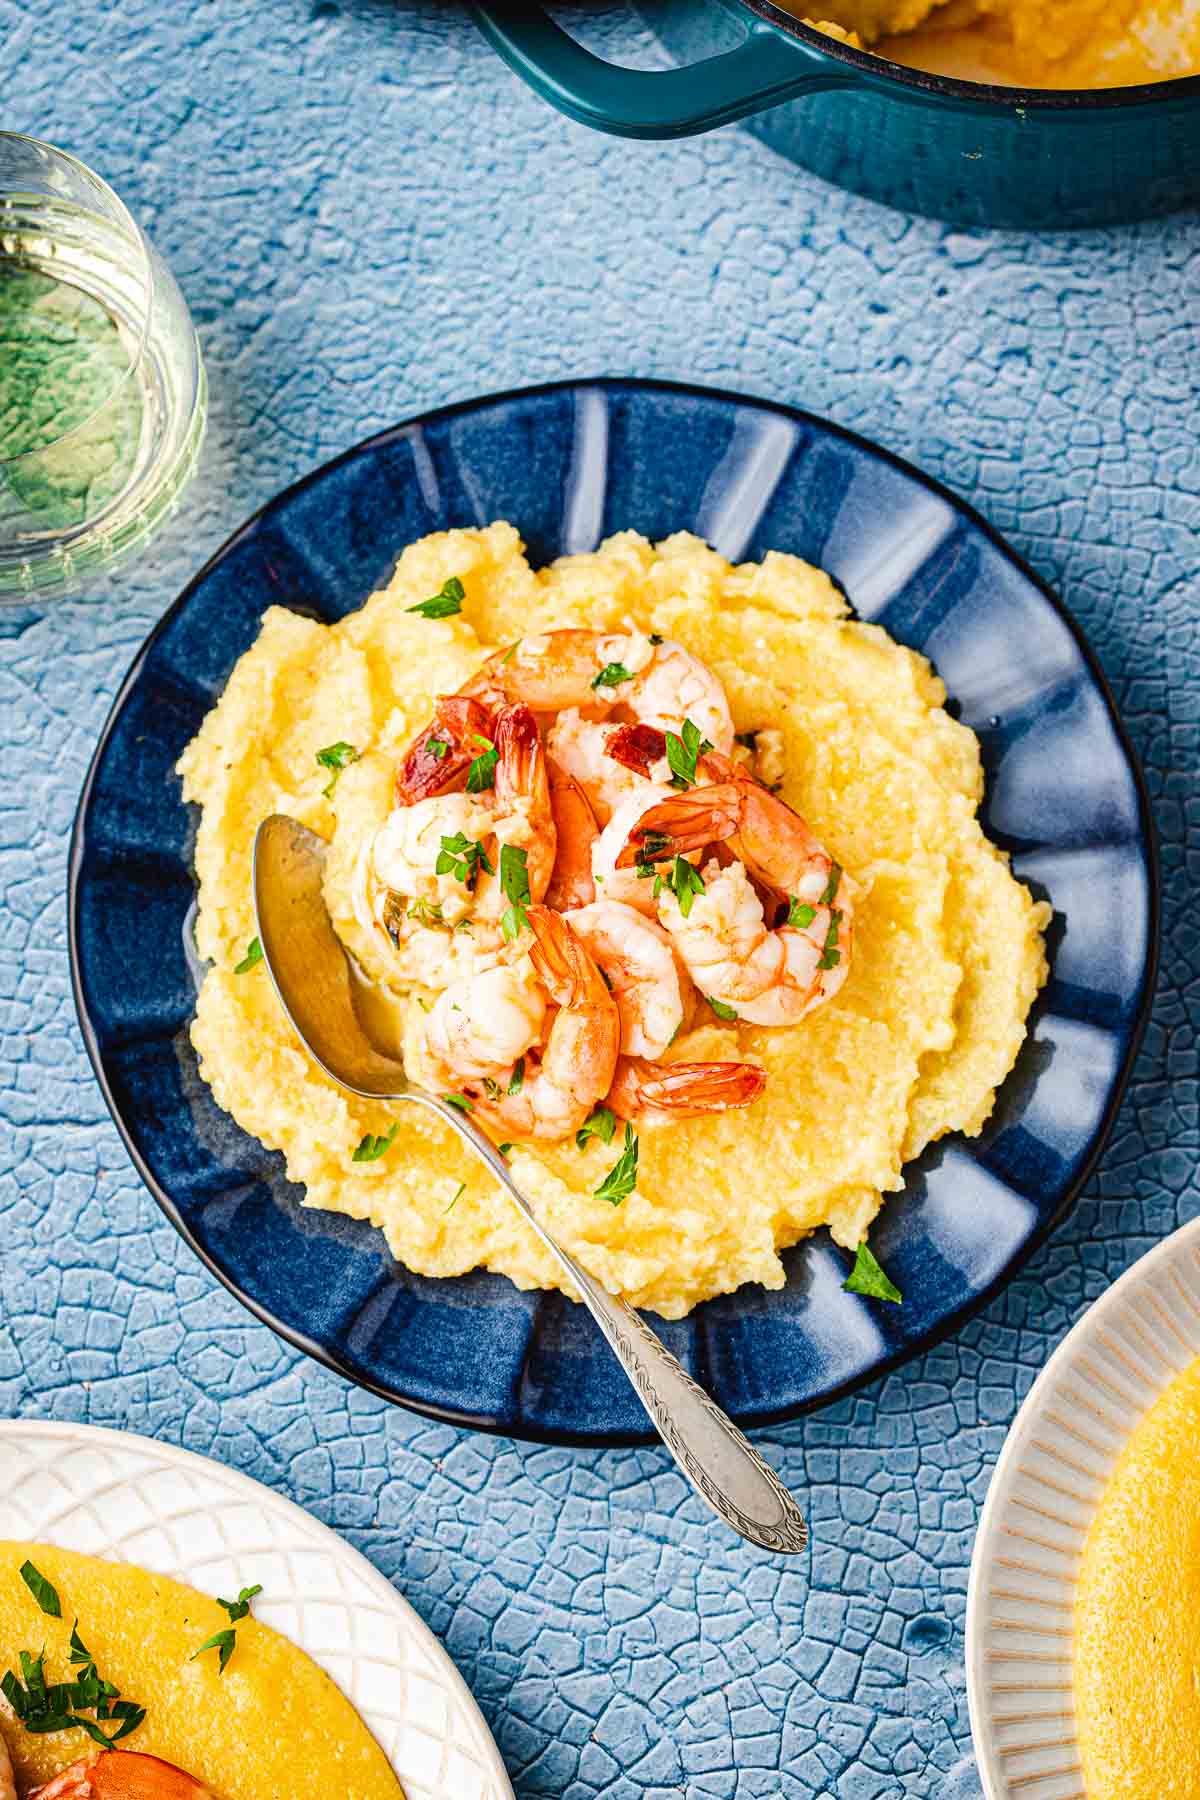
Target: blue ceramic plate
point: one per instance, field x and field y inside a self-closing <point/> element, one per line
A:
<point x="568" y="464"/>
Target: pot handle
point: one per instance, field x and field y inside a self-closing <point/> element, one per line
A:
<point x="765" y="68"/>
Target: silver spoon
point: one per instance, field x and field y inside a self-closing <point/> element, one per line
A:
<point x="311" y="974"/>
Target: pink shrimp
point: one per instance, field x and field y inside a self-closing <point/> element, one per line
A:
<point x="572" y="883"/>
<point x="767" y="976"/>
<point x="650" y="1094"/>
<point x="460" y="729"/>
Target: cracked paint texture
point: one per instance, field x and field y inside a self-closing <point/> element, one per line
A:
<point x="369" y="216"/>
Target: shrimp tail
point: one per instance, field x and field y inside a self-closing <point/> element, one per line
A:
<point x="576" y="830"/>
<point x="684" y="823"/>
<point x="452" y="732"/>
<point x="649" y="1093"/>
<point x="520" y="761"/>
<point x="123" y="1775"/>
<point x="559" y="959"/>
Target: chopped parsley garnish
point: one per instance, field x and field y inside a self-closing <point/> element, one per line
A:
<point x="514" y="884"/>
<point x="463" y="1103"/>
<point x="510" y="653"/>
<point x="831" y="956"/>
<point x="43" y="1591"/>
<point x="866" y="1277"/>
<point x="656" y="638"/>
<point x="43" y="1707"/>
<point x="800" y="913"/>
<point x="237" y="1609"/>
<point x="655" y="844"/>
<point x="254" y="954"/>
<point x="437" y="748"/>
<point x="719" y="1007"/>
<point x="463" y="857"/>
<point x="747" y="739"/>
<point x="462" y="1188"/>
<point x="372" y="1148"/>
<point x="684" y="881"/>
<point x="221" y="1641"/>
<point x="516" y="1080"/>
<point x="482" y="773"/>
<point x="611" y="675"/>
<point x="831" y="886"/>
<point x="444" y="604"/>
<point x="682" y="751"/>
<point x="426" y="912"/>
<point x="621" y="1179"/>
<point x="503" y="1149"/>
<point x="601" y="1124"/>
<point x="491" y="1088"/>
<point x="335" y="757"/>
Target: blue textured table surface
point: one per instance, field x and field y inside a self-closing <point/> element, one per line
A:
<point x="369" y="216"/>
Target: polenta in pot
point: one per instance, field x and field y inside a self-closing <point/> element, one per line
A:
<point x="197" y="1699"/>
<point x="668" y="870"/>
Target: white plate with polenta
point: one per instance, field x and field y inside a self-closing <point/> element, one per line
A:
<point x="243" y="1642"/>
<point x="856" y="659"/>
<point x="1083" y="1611"/>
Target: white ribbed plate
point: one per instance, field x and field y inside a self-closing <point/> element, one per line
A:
<point x="1076" y="1419"/>
<point x="111" y="1494"/>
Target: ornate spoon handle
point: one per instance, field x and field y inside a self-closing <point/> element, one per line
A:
<point x="718" y="1459"/>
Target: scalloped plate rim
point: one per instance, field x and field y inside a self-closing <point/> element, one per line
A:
<point x="267" y="1499"/>
<point x="765" y="1418"/>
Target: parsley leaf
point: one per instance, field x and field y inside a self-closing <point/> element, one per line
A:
<point x="462" y="1188"/>
<point x="237" y="1609"/>
<point x="866" y="1277"/>
<point x="800" y="913"/>
<point x="491" y="1088"/>
<point x="503" y="1149"/>
<point x="601" y="1124"/>
<point x="44" y="1707"/>
<point x="514" y="884"/>
<point x="437" y="748"/>
<point x="43" y="1591"/>
<point x="656" y="638"/>
<point x="460" y="1100"/>
<point x="611" y="675"/>
<point x="516" y="1080"/>
<point x="426" y="912"/>
<point x="831" y="956"/>
<point x="482" y="773"/>
<point x="463" y="857"/>
<point x="621" y="1179"/>
<point x="682" y="751"/>
<point x="832" y="885"/>
<point x="747" y="739"/>
<point x="254" y="954"/>
<point x="685" y="883"/>
<point x="719" y="1007"/>
<point x="372" y="1148"/>
<point x="444" y="604"/>
<point x="221" y="1641"/>
<point x="335" y="757"/>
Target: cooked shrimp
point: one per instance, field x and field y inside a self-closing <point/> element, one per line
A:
<point x="636" y="956"/>
<point x="439" y="757"/>
<point x="406" y="886"/>
<point x="614" y="881"/>
<point x="563" y="1078"/>
<point x="123" y="1775"/>
<point x="480" y="1026"/>
<point x="523" y="813"/>
<point x="8" y="1785"/>
<point x="650" y="1094"/>
<point x="572" y="883"/>
<point x="581" y="746"/>
<point x="769" y="977"/>
<point x="599" y="675"/>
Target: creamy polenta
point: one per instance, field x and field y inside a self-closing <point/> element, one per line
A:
<point x="948" y="952"/>
<point x="272" y="1725"/>
<point x="1027" y="43"/>
<point x="1137" y="1612"/>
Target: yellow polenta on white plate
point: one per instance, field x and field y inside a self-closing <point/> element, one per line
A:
<point x="948" y="946"/>
<point x="272" y="1727"/>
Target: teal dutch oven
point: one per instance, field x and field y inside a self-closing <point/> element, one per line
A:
<point x="958" y="150"/>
